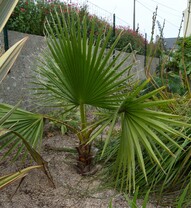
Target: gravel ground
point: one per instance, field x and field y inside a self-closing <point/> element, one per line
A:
<point x="72" y="190"/>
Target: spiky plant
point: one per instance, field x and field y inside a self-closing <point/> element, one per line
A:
<point x="79" y="70"/>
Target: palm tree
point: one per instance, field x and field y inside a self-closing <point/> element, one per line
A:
<point x="78" y="71"/>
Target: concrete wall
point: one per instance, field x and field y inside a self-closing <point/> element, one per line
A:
<point x="14" y="87"/>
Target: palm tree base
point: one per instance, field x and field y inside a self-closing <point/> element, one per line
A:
<point x="84" y="163"/>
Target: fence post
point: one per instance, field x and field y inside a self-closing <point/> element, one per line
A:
<point x="145" y="52"/>
<point x="6" y="40"/>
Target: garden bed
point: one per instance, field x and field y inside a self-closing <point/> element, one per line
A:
<point x="72" y="190"/>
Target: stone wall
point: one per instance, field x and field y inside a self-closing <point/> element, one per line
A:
<point x="14" y="87"/>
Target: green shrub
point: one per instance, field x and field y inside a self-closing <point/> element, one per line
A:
<point x="172" y="82"/>
<point x="29" y="17"/>
<point x="130" y="36"/>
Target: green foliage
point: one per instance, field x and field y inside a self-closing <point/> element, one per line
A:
<point x="173" y="84"/>
<point x="26" y="124"/>
<point x="180" y="63"/>
<point x="78" y="71"/>
<point x="30" y="16"/>
<point x="174" y="176"/>
<point x="181" y="200"/>
<point x="183" y="54"/>
<point x="94" y="79"/>
<point x="129" y="36"/>
<point x="91" y="79"/>
<point x="154" y="49"/>
<point x="184" y="199"/>
<point x="133" y="203"/>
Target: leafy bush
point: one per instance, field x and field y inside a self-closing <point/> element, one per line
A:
<point x="172" y="82"/>
<point x="129" y="36"/>
<point x="29" y="17"/>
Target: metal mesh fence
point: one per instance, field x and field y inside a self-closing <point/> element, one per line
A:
<point x="103" y="14"/>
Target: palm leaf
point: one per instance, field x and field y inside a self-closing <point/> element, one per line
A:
<point x="8" y="58"/>
<point x="182" y="197"/>
<point x="6" y="8"/>
<point x="24" y="123"/>
<point x="76" y="68"/>
<point x="8" y="114"/>
<point x="8" y="179"/>
<point x="143" y="130"/>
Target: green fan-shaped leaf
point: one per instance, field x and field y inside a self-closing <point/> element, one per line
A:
<point x="143" y="129"/>
<point x="78" y="69"/>
<point x="24" y="123"/>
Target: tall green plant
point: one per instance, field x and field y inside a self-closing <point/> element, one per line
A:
<point x="79" y="72"/>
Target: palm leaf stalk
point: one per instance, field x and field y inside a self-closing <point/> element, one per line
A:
<point x="6" y="9"/>
<point x="9" y="57"/>
<point x="41" y="163"/>
<point x="8" y="179"/>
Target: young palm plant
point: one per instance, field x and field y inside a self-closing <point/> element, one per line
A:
<point x="78" y="71"/>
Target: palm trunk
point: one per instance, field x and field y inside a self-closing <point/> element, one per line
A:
<point x="84" y="158"/>
<point x="84" y="149"/>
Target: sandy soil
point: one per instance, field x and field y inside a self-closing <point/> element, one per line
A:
<point x="72" y="190"/>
